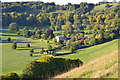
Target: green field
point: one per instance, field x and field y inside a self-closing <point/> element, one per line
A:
<point x="102" y="7"/>
<point x="91" y="53"/>
<point x="16" y="60"/>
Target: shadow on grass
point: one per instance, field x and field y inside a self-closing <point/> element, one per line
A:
<point x="5" y="41"/>
<point x="12" y="35"/>
<point x="36" y="55"/>
<point x="6" y="31"/>
<point x="35" y="47"/>
<point x="23" y="49"/>
<point x="36" y="52"/>
<point x="24" y="42"/>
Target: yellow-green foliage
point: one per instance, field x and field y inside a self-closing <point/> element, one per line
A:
<point x="49" y="66"/>
<point x="10" y="76"/>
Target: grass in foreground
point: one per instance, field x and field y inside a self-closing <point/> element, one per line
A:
<point x="104" y="67"/>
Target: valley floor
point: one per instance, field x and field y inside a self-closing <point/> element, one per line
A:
<point x="103" y="67"/>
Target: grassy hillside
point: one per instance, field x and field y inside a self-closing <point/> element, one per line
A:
<point x="104" y="67"/>
<point x="16" y="60"/>
<point x="91" y="53"/>
<point x="102" y="7"/>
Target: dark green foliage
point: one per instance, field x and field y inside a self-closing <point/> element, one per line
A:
<point x="42" y="51"/>
<point x="93" y="41"/>
<point x="108" y="5"/>
<point x="14" y="45"/>
<point x="49" y="33"/>
<point x="32" y="51"/>
<point x="28" y="45"/>
<point x="10" y="76"/>
<point x="49" y="66"/>
<point x="9" y="39"/>
<point x="31" y="54"/>
<point x="27" y="34"/>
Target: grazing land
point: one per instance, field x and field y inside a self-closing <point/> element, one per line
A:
<point x="15" y="60"/>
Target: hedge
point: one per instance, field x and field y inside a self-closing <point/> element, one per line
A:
<point x="49" y="66"/>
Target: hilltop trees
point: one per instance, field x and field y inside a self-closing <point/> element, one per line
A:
<point x="80" y="23"/>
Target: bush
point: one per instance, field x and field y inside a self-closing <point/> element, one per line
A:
<point x="9" y="39"/>
<point x="32" y="51"/>
<point x="14" y="45"/>
<point x="10" y="76"/>
<point x="31" y="54"/>
<point x="28" y="45"/>
<point x="42" y="51"/>
<point x="49" y="66"/>
<point x="47" y="41"/>
<point x="18" y="33"/>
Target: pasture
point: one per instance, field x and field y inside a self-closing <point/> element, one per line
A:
<point x="16" y="60"/>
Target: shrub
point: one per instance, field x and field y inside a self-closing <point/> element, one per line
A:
<point x="32" y="51"/>
<point x="28" y="45"/>
<point x="42" y="51"/>
<point x="14" y="45"/>
<point x="18" y="33"/>
<point x="47" y="41"/>
<point x="10" y="76"/>
<point x="9" y="39"/>
<point x="31" y="54"/>
<point x="49" y="66"/>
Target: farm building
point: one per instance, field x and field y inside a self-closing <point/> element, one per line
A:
<point x="60" y="37"/>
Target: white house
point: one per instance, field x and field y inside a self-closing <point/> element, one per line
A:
<point x="60" y="37"/>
